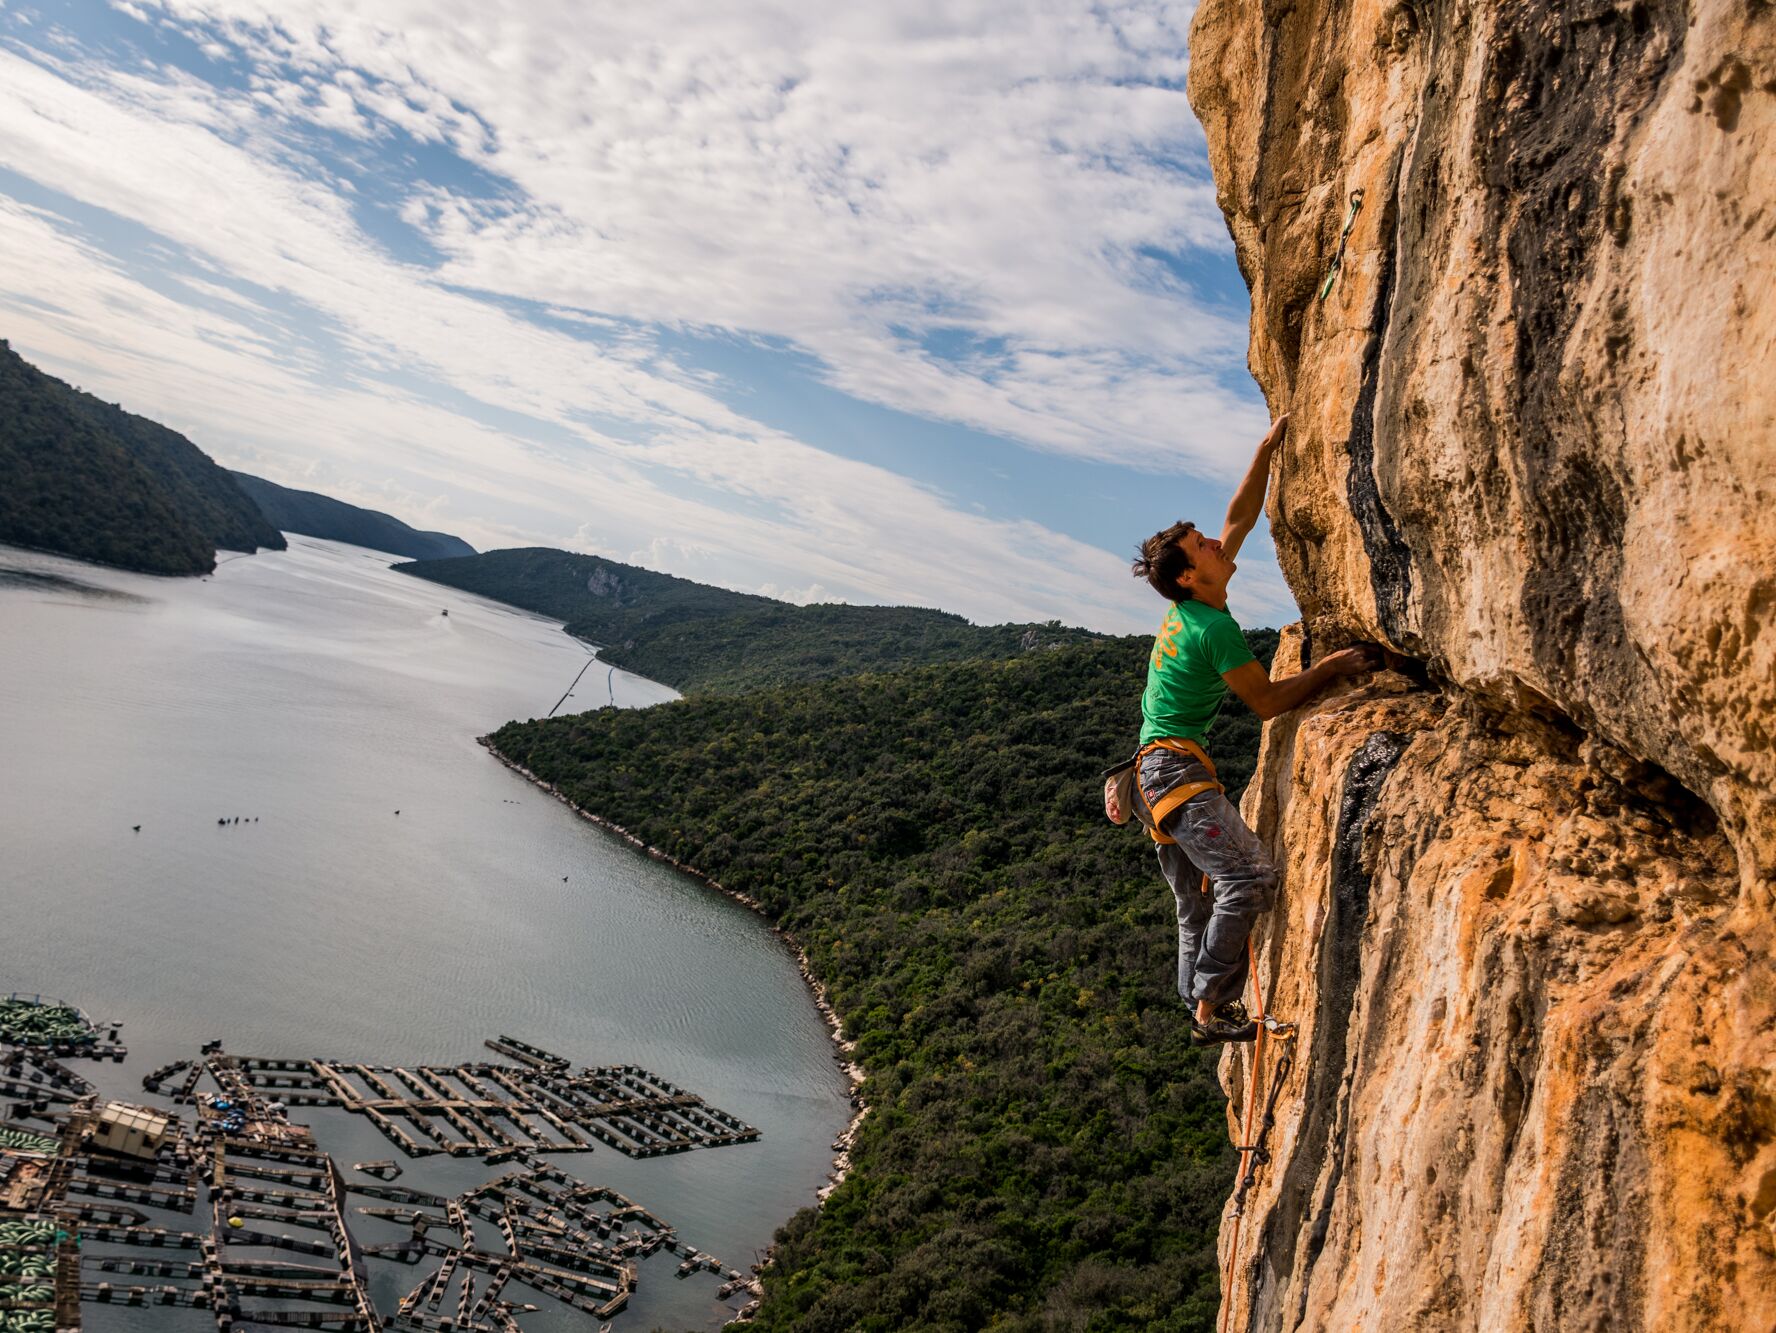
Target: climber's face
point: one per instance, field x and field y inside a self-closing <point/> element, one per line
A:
<point x="1210" y="568"/>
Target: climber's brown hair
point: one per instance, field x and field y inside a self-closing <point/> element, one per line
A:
<point x="1162" y="560"/>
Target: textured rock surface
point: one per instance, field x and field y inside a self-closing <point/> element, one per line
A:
<point x="1533" y="1083"/>
<point x="1534" y="440"/>
<point x="1526" y="912"/>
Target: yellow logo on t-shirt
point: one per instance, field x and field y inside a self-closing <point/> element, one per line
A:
<point x="1164" y="642"/>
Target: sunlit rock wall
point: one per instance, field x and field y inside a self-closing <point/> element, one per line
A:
<point x="1529" y="885"/>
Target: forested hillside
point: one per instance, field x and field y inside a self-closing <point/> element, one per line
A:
<point x="603" y="601"/>
<point x="706" y="640"/>
<point x="1044" y="1148"/>
<point x="785" y="643"/>
<point x="85" y="478"/>
<point x="316" y="515"/>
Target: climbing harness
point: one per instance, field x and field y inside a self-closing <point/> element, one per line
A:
<point x="1350" y="220"/>
<point x="1159" y="811"/>
<point x="1124" y="796"/>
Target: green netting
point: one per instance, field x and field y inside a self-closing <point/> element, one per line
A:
<point x="22" y="1140"/>
<point x="26" y="1231"/>
<point x="36" y="1022"/>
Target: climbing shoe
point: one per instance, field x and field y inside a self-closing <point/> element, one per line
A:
<point x="1228" y="1022"/>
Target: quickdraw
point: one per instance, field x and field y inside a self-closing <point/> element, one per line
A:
<point x="1350" y="220"/>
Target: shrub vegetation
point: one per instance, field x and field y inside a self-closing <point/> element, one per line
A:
<point x="1044" y="1149"/>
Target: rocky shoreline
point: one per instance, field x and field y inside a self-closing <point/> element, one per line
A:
<point x="843" y="1050"/>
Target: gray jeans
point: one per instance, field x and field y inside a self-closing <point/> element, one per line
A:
<point x="1213" y="927"/>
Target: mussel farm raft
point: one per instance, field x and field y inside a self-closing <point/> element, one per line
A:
<point x="235" y="1209"/>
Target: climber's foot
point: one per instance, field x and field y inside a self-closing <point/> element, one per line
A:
<point x="1233" y="1011"/>
<point x="1227" y="1022"/>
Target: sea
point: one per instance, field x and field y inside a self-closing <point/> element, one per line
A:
<point x="251" y="808"/>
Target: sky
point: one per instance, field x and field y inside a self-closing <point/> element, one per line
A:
<point x="919" y="303"/>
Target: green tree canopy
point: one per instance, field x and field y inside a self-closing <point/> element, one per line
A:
<point x="1044" y="1148"/>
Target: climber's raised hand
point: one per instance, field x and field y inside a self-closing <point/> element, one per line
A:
<point x="1248" y="500"/>
<point x="1278" y="429"/>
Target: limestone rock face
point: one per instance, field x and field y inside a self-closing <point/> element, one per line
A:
<point x="1528" y="881"/>
<point x="1533" y="1082"/>
<point x="1534" y="431"/>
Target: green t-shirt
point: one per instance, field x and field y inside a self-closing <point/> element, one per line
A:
<point x="1195" y="644"/>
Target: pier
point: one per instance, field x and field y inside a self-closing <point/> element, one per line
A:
<point x="540" y="1103"/>
<point x="108" y="1204"/>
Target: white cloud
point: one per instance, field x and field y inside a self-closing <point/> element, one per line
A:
<point x="211" y="377"/>
<point x="849" y="181"/>
<point x="840" y="176"/>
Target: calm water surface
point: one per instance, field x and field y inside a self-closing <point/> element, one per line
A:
<point x="315" y="693"/>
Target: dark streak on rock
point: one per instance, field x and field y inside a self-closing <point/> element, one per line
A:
<point x="1321" y="1145"/>
<point x="1416" y="208"/>
<point x="1562" y="85"/>
<point x="1363" y="779"/>
<point x="1390" y="560"/>
<point x="1593" y="1268"/>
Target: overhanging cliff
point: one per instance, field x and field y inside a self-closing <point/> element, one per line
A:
<point x="1529" y="885"/>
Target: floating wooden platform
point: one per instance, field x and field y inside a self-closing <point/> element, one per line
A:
<point x="540" y="1104"/>
<point x="269" y="1190"/>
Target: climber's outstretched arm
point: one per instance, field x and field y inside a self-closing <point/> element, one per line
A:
<point x="1268" y="698"/>
<point x="1248" y="500"/>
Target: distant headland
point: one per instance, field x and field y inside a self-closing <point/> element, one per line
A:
<point x="85" y="478"/>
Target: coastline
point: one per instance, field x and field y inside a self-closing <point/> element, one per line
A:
<point x="835" y="1030"/>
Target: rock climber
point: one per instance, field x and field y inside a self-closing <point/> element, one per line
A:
<point x="1198" y="655"/>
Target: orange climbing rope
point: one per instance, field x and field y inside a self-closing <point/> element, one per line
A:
<point x="1246" y="1147"/>
<point x="1251" y="1150"/>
